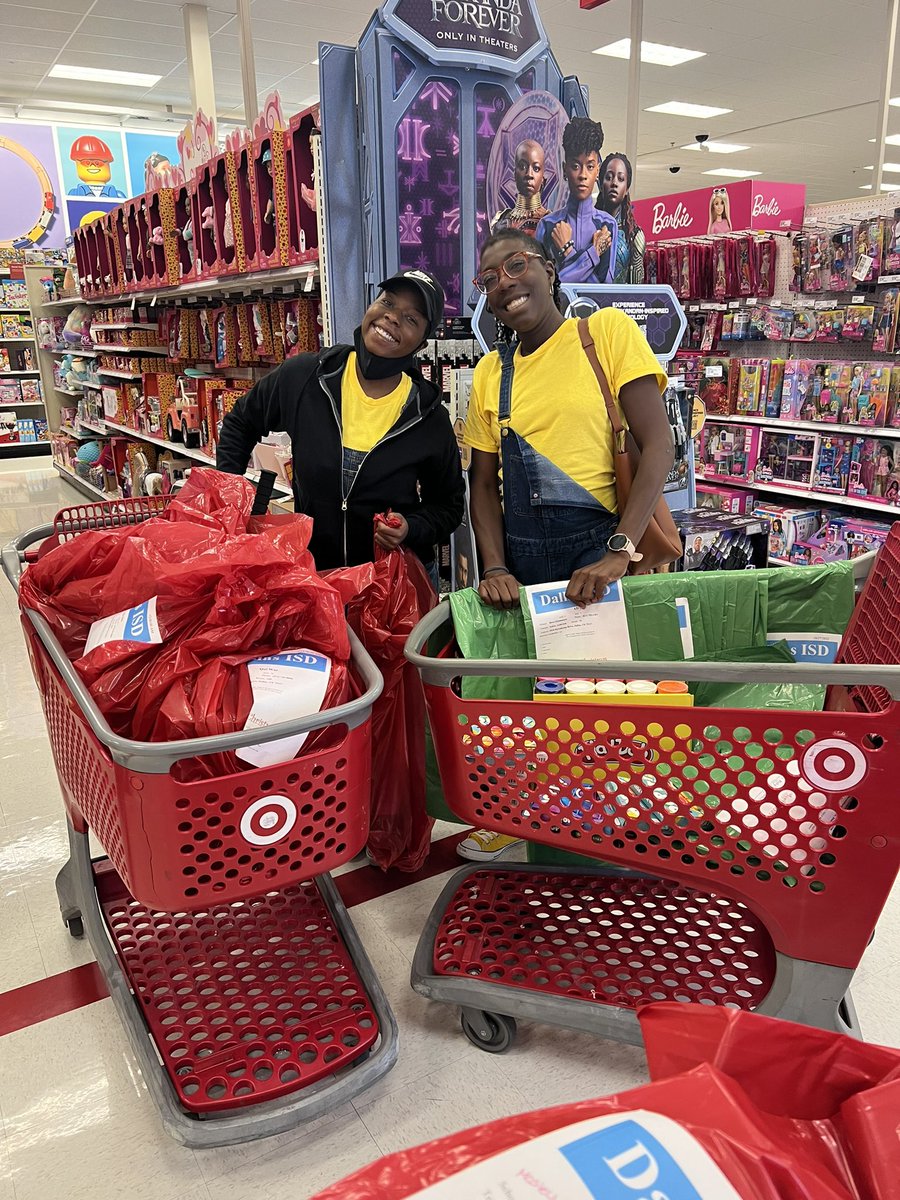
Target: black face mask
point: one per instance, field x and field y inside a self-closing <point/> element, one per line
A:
<point x="374" y="366"/>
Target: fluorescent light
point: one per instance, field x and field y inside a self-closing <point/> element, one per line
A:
<point x="314" y="63"/>
<point x="885" y="187"/>
<point x="887" y="167"/>
<point x="675" y="108"/>
<point x="101" y="75"/>
<point x="892" y="140"/>
<point x="894" y="101"/>
<point x="717" y="147"/>
<point x="651" y="52"/>
<point x="732" y="173"/>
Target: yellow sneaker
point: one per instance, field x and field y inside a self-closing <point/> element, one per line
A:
<point x="483" y="845"/>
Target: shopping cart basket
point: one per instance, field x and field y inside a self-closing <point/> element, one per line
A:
<point x="759" y="847"/>
<point x="249" y="1001"/>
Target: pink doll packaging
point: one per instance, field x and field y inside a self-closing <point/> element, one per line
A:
<point x="798" y="381"/>
<point x="873" y="395"/>
<point x="832" y="466"/>
<point x="885" y="335"/>
<point x="874" y="475"/>
<point x="841" y="259"/>
<point x="891" y="248"/>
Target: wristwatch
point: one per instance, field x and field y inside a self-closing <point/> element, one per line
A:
<point x="621" y="541"/>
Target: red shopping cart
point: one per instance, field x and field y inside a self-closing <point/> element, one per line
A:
<point x="758" y="847"/>
<point x="248" y="999"/>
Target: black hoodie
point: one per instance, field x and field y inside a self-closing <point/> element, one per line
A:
<point x="414" y="469"/>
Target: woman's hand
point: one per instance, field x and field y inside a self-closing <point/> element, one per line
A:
<point x="601" y="241"/>
<point x="500" y="590"/>
<point x="562" y="235"/>
<point x="589" y="584"/>
<point x="389" y="537"/>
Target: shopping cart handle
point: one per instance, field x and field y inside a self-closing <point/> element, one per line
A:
<point x="441" y="672"/>
<point x="264" y="488"/>
<point x="16" y="553"/>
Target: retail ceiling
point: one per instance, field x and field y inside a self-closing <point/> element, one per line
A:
<point x="801" y="78"/>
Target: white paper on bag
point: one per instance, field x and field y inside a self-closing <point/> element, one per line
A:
<point x="562" y="630"/>
<point x="627" y="1156"/>
<point x="138" y="624"/>
<point x="685" y="629"/>
<point x="285" y="686"/>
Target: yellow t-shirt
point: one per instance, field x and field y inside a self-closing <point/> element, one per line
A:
<point x="557" y="405"/>
<point x="365" y="421"/>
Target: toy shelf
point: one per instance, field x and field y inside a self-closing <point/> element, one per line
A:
<point x="147" y="325"/>
<point x="254" y="282"/>
<point x="83" y="486"/>
<point x="15" y="339"/>
<point x="785" y="489"/>
<point x="199" y="456"/>
<point x="123" y="348"/>
<point x="22" y="404"/>
<point x="15" y="310"/>
<point x="118" y="374"/>
<point x="68" y="391"/>
<point x="823" y="427"/>
<point x="75" y="353"/>
<point x="33" y="371"/>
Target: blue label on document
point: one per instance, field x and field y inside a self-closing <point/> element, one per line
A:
<point x="810" y="647"/>
<point x="553" y="599"/>
<point x="304" y="659"/>
<point x="626" y="1162"/>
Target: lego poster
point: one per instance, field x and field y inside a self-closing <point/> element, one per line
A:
<point x="83" y="211"/>
<point x="93" y="164"/>
<point x="149" y="153"/>
<point x="29" y="198"/>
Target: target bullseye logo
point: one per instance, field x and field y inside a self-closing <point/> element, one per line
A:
<point x="268" y="820"/>
<point x="834" y="765"/>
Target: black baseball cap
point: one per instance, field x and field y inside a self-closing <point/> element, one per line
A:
<point x="428" y="288"/>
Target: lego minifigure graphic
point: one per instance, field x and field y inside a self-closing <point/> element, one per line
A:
<point x="92" y="158"/>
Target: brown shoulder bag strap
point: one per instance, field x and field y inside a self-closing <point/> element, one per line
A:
<point x="587" y="344"/>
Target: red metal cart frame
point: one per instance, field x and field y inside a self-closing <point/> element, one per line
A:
<point x="248" y="999"/>
<point x="757" y="847"/>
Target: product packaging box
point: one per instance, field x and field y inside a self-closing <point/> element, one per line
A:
<point x="787" y="526"/>
<point x="787" y="457"/>
<point x="832" y="466"/>
<point x="736" y="501"/>
<point x="728" y="452"/>
<point x="875" y="470"/>
<point x="797" y="386"/>
<point x="718" y="541"/>
<point x="714" y="382"/>
<point x="872" y="399"/>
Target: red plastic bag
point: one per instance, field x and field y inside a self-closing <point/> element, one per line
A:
<point x="786" y="1112"/>
<point x="385" y="601"/>
<point x="216" y="588"/>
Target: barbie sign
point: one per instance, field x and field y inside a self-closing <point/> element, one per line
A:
<point x="742" y="206"/>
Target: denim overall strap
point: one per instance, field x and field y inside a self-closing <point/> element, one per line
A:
<point x="553" y="524"/>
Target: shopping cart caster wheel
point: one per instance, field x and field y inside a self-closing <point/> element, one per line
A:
<point x="75" y="926"/>
<point x="492" y="1032"/>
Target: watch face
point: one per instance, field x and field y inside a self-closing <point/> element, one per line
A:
<point x="618" y="541"/>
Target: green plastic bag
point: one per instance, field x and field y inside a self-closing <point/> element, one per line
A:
<point x="806" y="696"/>
<point x="809" y="607"/>
<point x="485" y="632"/>
<point x="727" y="608"/>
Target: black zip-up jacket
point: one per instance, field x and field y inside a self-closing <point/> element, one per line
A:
<point x="414" y="469"/>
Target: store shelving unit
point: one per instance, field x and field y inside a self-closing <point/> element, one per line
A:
<point x="33" y="409"/>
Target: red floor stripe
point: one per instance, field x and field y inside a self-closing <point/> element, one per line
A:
<point x="58" y="994"/>
<point x="51" y="997"/>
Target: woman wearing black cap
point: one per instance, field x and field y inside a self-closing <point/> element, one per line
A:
<point x="369" y="433"/>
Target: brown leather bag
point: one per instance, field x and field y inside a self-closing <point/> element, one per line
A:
<point x="661" y="541"/>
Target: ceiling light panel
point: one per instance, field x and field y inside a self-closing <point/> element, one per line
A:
<point x="102" y="75"/>
<point x="732" y="173"/>
<point x="677" y="108"/>
<point x="651" y="52"/>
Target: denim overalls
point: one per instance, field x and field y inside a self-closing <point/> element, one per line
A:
<point x="553" y="525"/>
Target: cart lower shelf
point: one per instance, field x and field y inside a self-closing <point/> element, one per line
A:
<point x="247" y="1018"/>
<point x="585" y="950"/>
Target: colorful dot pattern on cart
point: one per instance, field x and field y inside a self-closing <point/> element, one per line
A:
<point x="746" y="809"/>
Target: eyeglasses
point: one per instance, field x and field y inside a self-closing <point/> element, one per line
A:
<point x="513" y="267"/>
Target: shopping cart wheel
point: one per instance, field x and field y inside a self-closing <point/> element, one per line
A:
<point x="492" y="1032"/>
<point x="75" y="926"/>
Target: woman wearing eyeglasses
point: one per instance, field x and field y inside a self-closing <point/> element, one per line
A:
<point x="549" y="431"/>
<point x="543" y="421"/>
